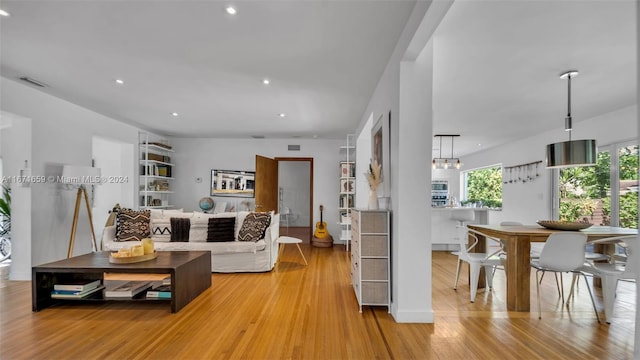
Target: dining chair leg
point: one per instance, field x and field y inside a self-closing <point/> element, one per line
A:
<point x="593" y="302"/>
<point x="538" y="292"/>
<point x="455" y="284"/>
<point x="574" y="284"/>
<point x="488" y="273"/>
<point x="474" y="276"/>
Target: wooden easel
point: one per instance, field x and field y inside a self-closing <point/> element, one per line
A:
<point x="74" y="226"/>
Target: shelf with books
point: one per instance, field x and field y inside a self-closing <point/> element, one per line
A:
<point x="125" y="289"/>
<point x="159" y="292"/>
<point x="72" y="294"/>
<point x="156" y="172"/>
<point x="346" y="192"/>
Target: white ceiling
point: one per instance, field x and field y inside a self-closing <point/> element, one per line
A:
<point x="495" y="75"/>
<point x="497" y="67"/>
<point x="324" y="59"/>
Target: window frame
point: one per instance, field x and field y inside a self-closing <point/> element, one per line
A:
<point x="464" y="193"/>
<point x="614" y="181"/>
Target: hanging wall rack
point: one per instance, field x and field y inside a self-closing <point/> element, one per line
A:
<point x="521" y="173"/>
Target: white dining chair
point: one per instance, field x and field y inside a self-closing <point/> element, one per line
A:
<point x="612" y="272"/>
<point x="475" y="260"/>
<point x="563" y="252"/>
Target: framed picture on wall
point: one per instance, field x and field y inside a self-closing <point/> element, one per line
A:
<point x="380" y="150"/>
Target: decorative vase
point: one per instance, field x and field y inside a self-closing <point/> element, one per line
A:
<point x="373" y="200"/>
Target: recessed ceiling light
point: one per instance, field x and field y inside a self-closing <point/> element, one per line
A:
<point x="231" y="10"/>
<point x="174" y="114"/>
<point x="119" y="81"/>
<point x="282" y="115"/>
<point x="4" y="13"/>
<point x="266" y="81"/>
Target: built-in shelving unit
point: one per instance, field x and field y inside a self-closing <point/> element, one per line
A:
<point x="156" y="172"/>
<point x="347" y="188"/>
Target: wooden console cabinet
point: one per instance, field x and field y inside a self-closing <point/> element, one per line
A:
<point x="370" y="257"/>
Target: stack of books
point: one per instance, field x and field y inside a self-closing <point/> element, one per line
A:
<point x="127" y="290"/>
<point x="160" y="292"/>
<point x="76" y="289"/>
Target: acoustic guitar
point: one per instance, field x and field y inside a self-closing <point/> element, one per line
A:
<point x="321" y="227"/>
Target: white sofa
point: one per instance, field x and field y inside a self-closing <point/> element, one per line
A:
<point x="226" y="257"/>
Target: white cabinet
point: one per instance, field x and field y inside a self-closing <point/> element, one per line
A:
<point x="347" y="188"/>
<point x="370" y="257"/>
<point x="156" y="172"/>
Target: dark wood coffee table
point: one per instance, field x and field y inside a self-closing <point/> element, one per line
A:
<point x="190" y="275"/>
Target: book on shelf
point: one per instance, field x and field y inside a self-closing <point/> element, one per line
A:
<point x="127" y="290"/>
<point x="160" y="292"/>
<point x="78" y="285"/>
<point x="167" y="280"/>
<point x="70" y="294"/>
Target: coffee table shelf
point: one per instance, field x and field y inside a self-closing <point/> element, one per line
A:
<point x="190" y="273"/>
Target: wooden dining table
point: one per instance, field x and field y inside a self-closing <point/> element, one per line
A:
<point x="518" y="240"/>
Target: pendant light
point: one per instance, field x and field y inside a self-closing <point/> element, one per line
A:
<point x="446" y="163"/>
<point x="571" y="153"/>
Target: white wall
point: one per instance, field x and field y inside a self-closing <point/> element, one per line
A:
<point x="115" y="159"/>
<point x="62" y="133"/>
<point x="386" y="98"/>
<point x="363" y="157"/>
<point x="293" y="182"/>
<point x="196" y="157"/>
<point x="529" y="202"/>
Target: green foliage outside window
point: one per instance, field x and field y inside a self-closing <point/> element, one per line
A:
<point x="485" y="186"/>
<point x="584" y="189"/>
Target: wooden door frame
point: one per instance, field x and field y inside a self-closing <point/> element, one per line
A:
<point x="310" y="161"/>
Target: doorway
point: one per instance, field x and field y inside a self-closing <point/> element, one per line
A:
<point x="295" y="197"/>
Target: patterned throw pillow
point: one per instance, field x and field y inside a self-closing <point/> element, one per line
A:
<point x="160" y="229"/>
<point x="221" y="229"/>
<point x="132" y="225"/>
<point x="254" y="226"/>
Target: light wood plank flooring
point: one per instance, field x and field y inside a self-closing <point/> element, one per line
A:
<point x="310" y="312"/>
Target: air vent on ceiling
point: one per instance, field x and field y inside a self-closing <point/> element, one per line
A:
<point x="257" y="136"/>
<point x="294" y="147"/>
<point x="34" y="82"/>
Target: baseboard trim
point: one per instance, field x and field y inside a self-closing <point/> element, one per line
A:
<point x="408" y="316"/>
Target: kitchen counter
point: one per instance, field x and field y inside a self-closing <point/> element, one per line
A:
<point x="443" y="228"/>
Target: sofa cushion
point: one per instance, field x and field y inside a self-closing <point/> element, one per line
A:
<point x="221" y="229"/>
<point x="254" y="226"/>
<point x="160" y="229"/>
<point x="198" y="230"/>
<point x="132" y="225"/>
<point x="180" y="229"/>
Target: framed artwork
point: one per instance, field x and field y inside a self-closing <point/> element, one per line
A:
<point x="380" y="150"/>
<point x="232" y="183"/>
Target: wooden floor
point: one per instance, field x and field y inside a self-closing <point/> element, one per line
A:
<point x="310" y="312"/>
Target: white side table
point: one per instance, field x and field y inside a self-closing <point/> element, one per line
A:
<point x="284" y="240"/>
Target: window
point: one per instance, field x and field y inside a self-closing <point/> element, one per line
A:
<point x="483" y="185"/>
<point x="585" y="193"/>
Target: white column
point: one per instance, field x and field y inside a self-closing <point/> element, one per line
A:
<point x="411" y="248"/>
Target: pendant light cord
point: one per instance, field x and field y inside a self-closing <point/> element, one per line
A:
<point x="569" y="122"/>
